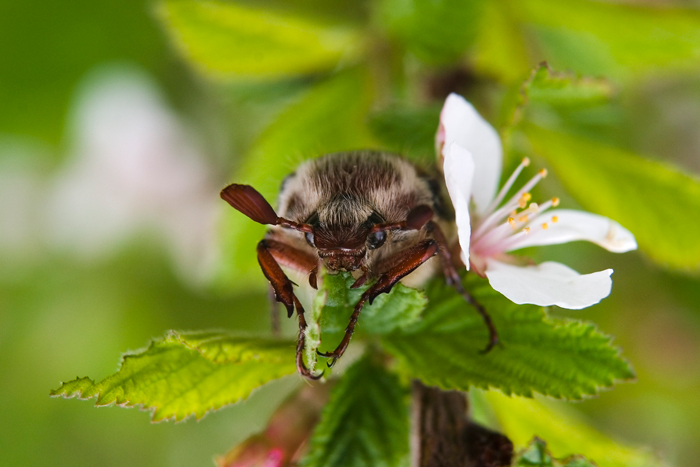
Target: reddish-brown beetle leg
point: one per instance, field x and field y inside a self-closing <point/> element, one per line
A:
<point x="452" y="278"/>
<point x="410" y="259"/>
<point x="284" y="293"/>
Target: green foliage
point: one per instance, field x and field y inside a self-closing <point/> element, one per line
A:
<point x="188" y="374"/>
<point x="330" y="117"/>
<point x="335" y="301"/>
<point x="229" y="39"/>
<point x="565" y="431"/>
<point x="410" y="132"/>
<point x="501" y="51"/>
<point x="618" y="40"/>
<point x="229" y="347"/>
<point x="654" y="201"/>
<point x="388" y="312"/>
<point x="536" y="455"/>
<point x="365" y="422"/>
<point x="436" y="31"/>
<point x="546" y="86"/>
<point x="560" y="358"/>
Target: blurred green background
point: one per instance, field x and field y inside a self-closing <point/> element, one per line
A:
<point x="115" y="139"/>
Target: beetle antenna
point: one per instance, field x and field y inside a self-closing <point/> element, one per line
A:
<point x="247" y="200"/>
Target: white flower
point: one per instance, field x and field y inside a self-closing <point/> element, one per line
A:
<point x="490" y="227"/>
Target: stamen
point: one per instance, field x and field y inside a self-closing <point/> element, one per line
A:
<point x="555" y="219"/>
<point x="506" y="187"/>
<point x="555" y="201"/>
<point x="533" y="208"/>
<point x="514" y="213"/>
<point x="511" y="221"/>
<point x="545" y="226"/>
<point x="522" y="202"/>
<point x="526" y="230"/>
<point x="523" y="219"/>
<point x="543" y="173"/>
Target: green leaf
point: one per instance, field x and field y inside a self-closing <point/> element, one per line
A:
<point x="229" y="347"/>
<point x="410" y="132"/>
<point x="335" y="301"/>
<point x="174" y="380"/>
<point x="229" y="39"/>
<point x="655" y="201"/>
<point x="365" y="423"/>
<point x="560" y="358"/>
<point x="564" y="89"/>
<point x="536" y="455"/>
<point x="565" y="431"/>
<point x="329" y="118"/>
<point x="603" y="38"/>
<point x="389" y="312"/>
<point x="436" y="31"/>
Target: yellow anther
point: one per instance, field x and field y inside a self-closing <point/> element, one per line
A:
<point x="514" y="213"/>
<point x="526" y="230"/>
<point x="543" y="173"/>
<point x="511" y="221"/>
<point x="555" y="201"/>
<point x="526" y="161"/>
<point x="524" y="198"/>
<point x="555" y="219"/>
<point x="545" y="226"/>
<point x="522" y="218"/>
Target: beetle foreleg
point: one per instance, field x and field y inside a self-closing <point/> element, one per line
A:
<point x="452" y="278"/>
<point x="268" y="250"/>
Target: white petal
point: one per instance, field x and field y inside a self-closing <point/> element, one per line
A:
<point x="460" y="123"/>
<point x="459" y="173"/>
<point x="548" y="284"/>
<point x="577" y="225"/>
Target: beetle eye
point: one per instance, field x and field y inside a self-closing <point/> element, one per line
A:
<point x="376" y="239"/>
<point x="310" y="239"/>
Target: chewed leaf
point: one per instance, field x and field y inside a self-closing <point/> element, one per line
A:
<point x="175" y="381"/>
<point x="230" y="39"/>
<point x="560" y="358"/>
<point x="335" y="301"/>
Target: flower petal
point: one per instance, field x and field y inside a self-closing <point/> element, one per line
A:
<point x="577" y="225"/>
<point x="548" y="284"/>
<point x="459" y="174"/>
<point x="460" y="123"/>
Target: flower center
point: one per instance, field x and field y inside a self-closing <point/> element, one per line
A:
<point x="504" y="224"/>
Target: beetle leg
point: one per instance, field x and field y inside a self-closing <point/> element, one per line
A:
<point x="452" y="278"/>
<point x="268" y="250"/>
<point x="410" y="259"/>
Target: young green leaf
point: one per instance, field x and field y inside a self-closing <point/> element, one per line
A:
<point x="365" y="423"/>
<point x="565" y="432"/>
<point x="536" y="455"/>
<point x="174" y="380"/>
<point x="229" y="39"/>
<point x="655" y="201"/>
<point x="560" y="358"/>
<point x="602" y="38"/>
<point x="389" y="312"/>
<point x="329" y="118"/>
<point x="335" y="302"/>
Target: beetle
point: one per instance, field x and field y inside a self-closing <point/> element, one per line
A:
<point x="373" y="214"/>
